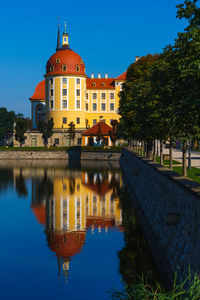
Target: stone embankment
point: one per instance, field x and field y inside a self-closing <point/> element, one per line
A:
<point x="168" y="208"/>
<point x="60" y="155"/>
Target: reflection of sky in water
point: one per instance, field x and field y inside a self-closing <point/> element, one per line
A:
<point x="80" y="209"/>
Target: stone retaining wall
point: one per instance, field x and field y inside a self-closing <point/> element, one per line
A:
<point x="168" y="207"/>
<point x="32" y="155"/>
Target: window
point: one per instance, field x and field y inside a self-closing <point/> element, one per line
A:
<point x="81" y="61"/>
<point x="77" y="103"/>
<point x="104" y="120"/>
<point x="77" y="120"/>
<point x="77" y="80"/>
<point x="105" y="141"/>
<point x="103" y="106"/>
<point x="111" y="106"/>
<point x="94" y="84"/>
<point x="64" y="120"/>
<point x="86" y="95"/>
<point x="111" y="121"/>
<point x="64" y="80"/>
<point x="64" y="67"/>
<point x="77" y="92"/>
<point x="56" y="141"/>
<point x="94" y="121"/>
<point x="86" y="106"/>
<point x="51" y="80"/>
<point x="64" y="104"/>
<point x="77" y="68"/>
<point x="111" y="95"/>
<point x="79" y="143"/>
<point x="94" y="95"/>
<point x="94" y="106"/>
<point x="51" y="68"/>
<point x="103" y="84"/>
<point x="57" y="60"/>
<point x="64" y="92"/>
<point x="51" y="92"/>
<point x="51" y="104"/>
<point x="86" y="122"/>
<point x="103" y="96"/>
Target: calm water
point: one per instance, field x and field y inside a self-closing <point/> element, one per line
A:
<point x="67" y="232"/>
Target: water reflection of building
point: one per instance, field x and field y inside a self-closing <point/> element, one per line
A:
<point x="75" y="202"/>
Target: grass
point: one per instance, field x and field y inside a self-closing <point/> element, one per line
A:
<point x="189" y="289"/>
<point x="166" y="161"/>
<point x="193" y="173"/>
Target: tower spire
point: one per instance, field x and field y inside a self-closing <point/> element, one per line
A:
<point x="65" y="36"/>
<point x="58" y="39"/>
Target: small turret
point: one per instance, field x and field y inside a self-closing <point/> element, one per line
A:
<point x="65" y="36"/>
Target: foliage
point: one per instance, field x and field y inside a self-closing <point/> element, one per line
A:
<point x="46" y="128"/>
<point x="113" y="132"/>
<point x="20" y="129"/>
<point x="142" y="290"/>
<point x="7" y="120"/>
<point x="71" y="131"/>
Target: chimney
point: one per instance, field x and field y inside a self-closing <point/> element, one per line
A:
<point x="92" y="75"/>
<point x="106" y="75"/>
<point x="137" y="58"/>
<point x="99" y="76"/>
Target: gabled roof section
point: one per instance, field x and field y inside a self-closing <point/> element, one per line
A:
<point x="100" y="126"/>
<point x="39" y="93"/>
<point x="100" y="83"/>
<point x="121" y="77"/>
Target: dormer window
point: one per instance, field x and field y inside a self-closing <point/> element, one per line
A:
<point x="93" y="84"/>
<point x="51" y="68"/>
<point x="77" y="68"/>
<point x="103" y="84"/>
<point x="64" y="67"/>
<point x="57" y="60"/>
<point x="81" y="61"/>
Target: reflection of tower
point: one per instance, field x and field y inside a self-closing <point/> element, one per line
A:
<point x="70" y="201"/>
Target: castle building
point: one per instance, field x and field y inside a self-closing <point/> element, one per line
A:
<point x="67" y="95"/>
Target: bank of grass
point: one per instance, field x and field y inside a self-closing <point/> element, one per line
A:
<point x="166" y="161"/>
<point x="193" y="173"/>
<point x="189" y="289"/>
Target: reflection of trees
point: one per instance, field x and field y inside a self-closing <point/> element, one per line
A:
<point x="71" y="184"/>
<point x="44" y="189"/>
<point x="115" y="186"/>
<point x="20" y="185"/>
<point x="135" y="258"/>
<point x="6" y="179"/>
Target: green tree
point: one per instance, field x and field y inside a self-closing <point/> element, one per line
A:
<point x="71" y="131"/>
<point x="46" y="128"/>
<point x="20" y="130"/>
<point x="7" y="120"/>
<point x="137" y="106"/>
<point x="113" y="132"/>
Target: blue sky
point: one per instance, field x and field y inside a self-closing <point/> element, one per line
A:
<point x="106" y="34"/>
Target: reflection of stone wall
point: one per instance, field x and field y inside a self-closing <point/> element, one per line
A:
<point x="169" y="212"/>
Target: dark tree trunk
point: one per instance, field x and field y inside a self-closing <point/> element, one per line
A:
<point x="150" y="149"/>
<point x="154" y="150"/>
<point x="170" y="155"/>
<point x="184" y="168"/>
<point x="161" y="152"/>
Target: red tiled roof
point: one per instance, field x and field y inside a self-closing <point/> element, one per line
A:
<point x="40" y="214"/>
<point x="103" y="127"/>
<point x="39" y="93"/>
<point x="66" y="57"/>
<point x="102" y="83"/>
<point x="66" y="244"/>
<point x="122" y="76"/>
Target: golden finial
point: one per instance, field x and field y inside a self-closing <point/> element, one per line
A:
<point x="65" y="26"/>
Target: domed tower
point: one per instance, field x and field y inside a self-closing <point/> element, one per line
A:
<point x="65" y="86"/>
